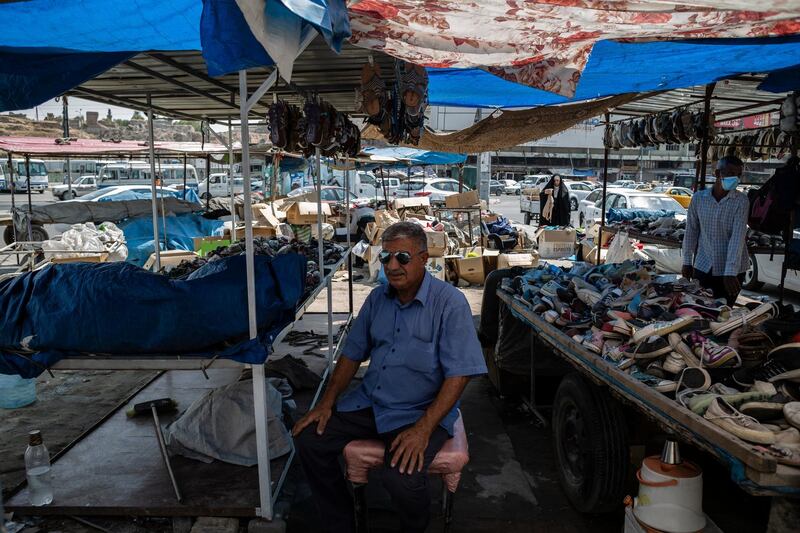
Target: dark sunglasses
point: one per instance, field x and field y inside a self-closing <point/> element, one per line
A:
<point x="403" y="258"/>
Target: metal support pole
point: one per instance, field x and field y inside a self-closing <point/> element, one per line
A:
<point x="184" y="176"/>
<point x="603" y="210"/>
<point x="13" y="187"/>
<point x="704" y="142"/>
<point x="30" y="200"/>
<point x="65" y="132"/>
<point x="349" y="255"/>
<point x="259" y="379"/>
<point x="151" y="145"/>
<point x="461" y="177"/>
<point x="230" y="182"/>
<point x="208" y="181"/>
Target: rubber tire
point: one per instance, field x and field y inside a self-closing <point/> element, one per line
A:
<point x="38" y="233"/>
<point x="602" y="443"/>
<point x="41" y="192"/>
<point x="753" y="284"/>
<point x="527" y="219"/>
<point x="519" y="192"/>
<point x="206" y="196"/>
<point x="573" y="204"/>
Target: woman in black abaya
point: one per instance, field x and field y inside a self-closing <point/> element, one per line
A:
<point x="558" y="212"/>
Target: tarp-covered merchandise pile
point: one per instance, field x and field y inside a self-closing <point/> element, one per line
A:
<point x="124" y="310"/>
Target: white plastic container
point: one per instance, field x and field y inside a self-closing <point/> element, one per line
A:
<point x="16" y="391"/>
<point x="670" y="496"/>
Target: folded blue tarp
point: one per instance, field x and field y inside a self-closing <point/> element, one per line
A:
<point x="121" y="309"/>
<point x="181" y="231"/>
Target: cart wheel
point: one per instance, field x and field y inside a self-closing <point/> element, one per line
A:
<point x="527" y="219"/>
<point x="8" y="234"/>
<point x="590" y="438"/>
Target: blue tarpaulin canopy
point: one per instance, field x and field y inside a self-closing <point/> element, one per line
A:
<point x="48" y="47"/>
<point x="402" y="156"/>
<point x="619" y="68"/>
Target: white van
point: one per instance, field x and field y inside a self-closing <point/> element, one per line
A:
<point x="39" y="179"/>
<point x="138" y="173"/>
<point x="364" y="184"/>
<point x="220" y="186"/>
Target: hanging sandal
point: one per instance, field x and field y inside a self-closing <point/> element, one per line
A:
<point x="414" y="88"/>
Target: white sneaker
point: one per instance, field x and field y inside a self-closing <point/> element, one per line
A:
<point x="747" y="428"/>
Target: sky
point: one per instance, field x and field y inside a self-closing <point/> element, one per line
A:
<point x="78" y="106"/>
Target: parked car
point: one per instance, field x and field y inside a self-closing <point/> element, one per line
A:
<point x="590" y="208"/>
<point x="681" y="194"/>
<point x="510" y="186"/>
<point x="766" y="268"/>
<point x="331" y="195"/>
<point x="220" y="186"/>
<point x="133" y="192"/>
<point x="496" y="187"/>
<point x="578" y="190"/>
<point x="80" y="187"/>
<point x="437" y="189"/>
<point x="628" y="184"/>
<point x="642" y="186"/>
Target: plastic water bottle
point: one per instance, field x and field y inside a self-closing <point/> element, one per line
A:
<point x="37" y="469"/>
<point x="16" y="391"/>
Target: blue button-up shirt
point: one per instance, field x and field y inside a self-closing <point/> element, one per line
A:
<point x="412" y="348"/>
<point x="716" y="233"/>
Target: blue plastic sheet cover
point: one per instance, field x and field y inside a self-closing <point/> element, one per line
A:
<point x="180" y="234"/>
<point x="126" y="195"/>
<point x="415" y="156"/>
<point x="619" y="68"/>
<point x="121" y="309"/>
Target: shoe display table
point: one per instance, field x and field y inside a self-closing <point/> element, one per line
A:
<point x="753" y="471"/>
<point x="674" y="243"/>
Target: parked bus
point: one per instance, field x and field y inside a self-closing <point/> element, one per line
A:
<point x="39" y="179"/>
<point x="138" y="173"/>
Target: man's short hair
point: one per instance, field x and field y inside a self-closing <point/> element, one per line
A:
<point x="729" y="160"/>
<point x="406" y="230"/>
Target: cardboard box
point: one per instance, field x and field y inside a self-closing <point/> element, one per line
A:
<point x="372" y="260"/>
<point x="263" y="231"/>
<point x="526" y="260"/>
<point x="589" y="251"/>
<point x="464" y="199"/>
<point x="437" y="268"/>
<point x="169" y="258"/>
<point x="264" y="215"/>
<point x="437" y="243"/>
<point x="414" y="201"/>
<point x="384" y="218"/>
<point x="203" y="245"/>
<point x="302" y="213"/>
<point x="471" y="269"/>
<point x="373" y="232"/>
<point x="556" y="243"/>
<point x="490" y="260"/>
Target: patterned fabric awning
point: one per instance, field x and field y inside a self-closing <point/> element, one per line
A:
<point x="546" y="44"/>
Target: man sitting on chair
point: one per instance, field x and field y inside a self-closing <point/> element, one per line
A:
<point x="419" y="336"/>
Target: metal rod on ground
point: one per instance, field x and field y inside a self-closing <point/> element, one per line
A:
<point x="259" y="378"/>
<point x="704" y="142"/>
<point x="30" y="200"/>
<point x="230" y="182"/>
<point x="151" y="145"/>
<point x="349" y="256"/>
<point x="164" y="454"/>
<point x="603" y="208"/>
<point x="184" y="176"/>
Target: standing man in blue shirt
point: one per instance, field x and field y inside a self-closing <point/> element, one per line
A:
<point x="715" y="244"/>
<point x="419" y="337"/>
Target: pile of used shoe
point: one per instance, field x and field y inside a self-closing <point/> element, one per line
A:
<point x="737" y="367"/>
<point x="665" y="227"/>
<point x="273" y="246"/>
